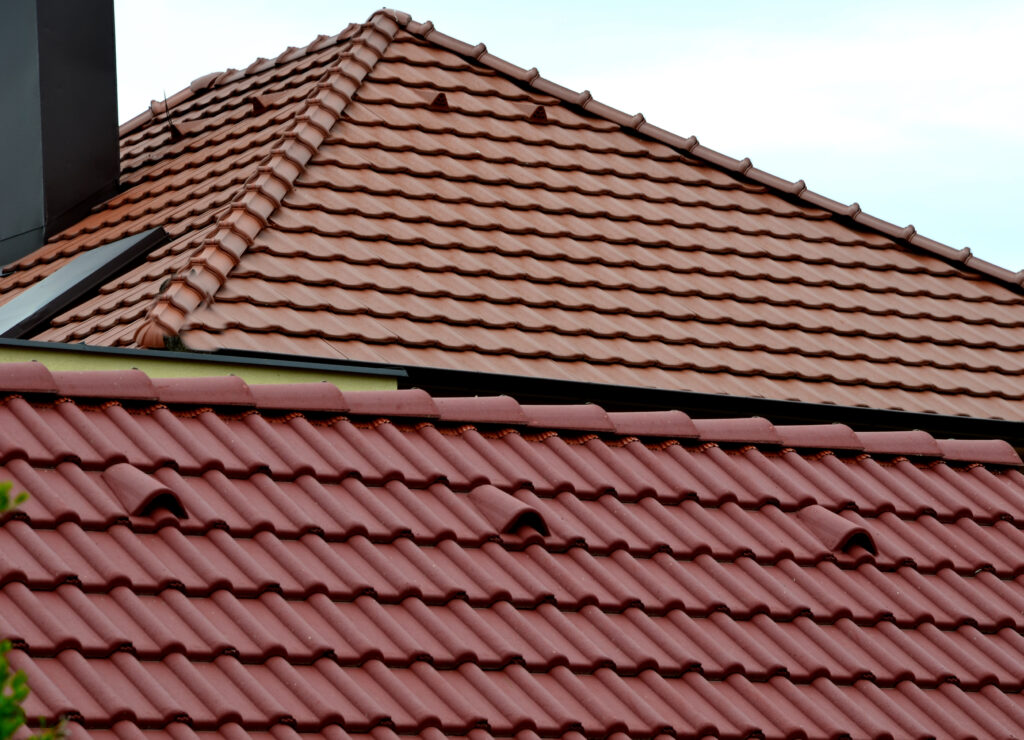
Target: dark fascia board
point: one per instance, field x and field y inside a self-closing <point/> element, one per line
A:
<point x="252" y="359"/>
<point x="86" y="272"/>
<point x="443" y="382"/>
<point x="447" y="382"/>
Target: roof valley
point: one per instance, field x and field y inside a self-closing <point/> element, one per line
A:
<point x="197" y="283"/>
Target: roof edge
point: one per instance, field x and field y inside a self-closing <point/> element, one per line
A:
<point x="744" y="167"/>
<point x="199" y="280"/>
<point x="33" y="378"/>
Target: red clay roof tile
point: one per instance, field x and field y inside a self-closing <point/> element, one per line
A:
<point x="337" y="575"/>
<point x="482" y="410"/>
<point x="321" y="205"/>
<point x="322" y="397"/>
<point x="27" y="377"/>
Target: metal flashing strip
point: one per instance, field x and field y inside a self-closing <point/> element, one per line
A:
<point x="166" y="364"/>
<point x="86" y="272"/>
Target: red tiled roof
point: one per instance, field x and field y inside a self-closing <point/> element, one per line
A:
<point x="391" y="194"/>
<point x="444" y="567"/>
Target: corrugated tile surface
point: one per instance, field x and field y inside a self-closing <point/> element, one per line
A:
<point x="200" y="560"/>
<point x="393" y="195"/>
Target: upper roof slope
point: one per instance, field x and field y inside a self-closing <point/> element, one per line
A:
<point x="391" y="194"/>
<point x="202" y="558"/>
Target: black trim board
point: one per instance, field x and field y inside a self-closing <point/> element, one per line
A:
<point x="444" y="382"/>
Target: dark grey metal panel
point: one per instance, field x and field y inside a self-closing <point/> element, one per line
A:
<point x="78" y="75"/>
<point x="21" y="145"/>
<point x="84" y="274"/>
<point x="58" y="117"/>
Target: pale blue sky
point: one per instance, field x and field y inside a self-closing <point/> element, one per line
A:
<point x="913" y="109"/>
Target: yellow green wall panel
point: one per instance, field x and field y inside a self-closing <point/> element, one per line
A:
<point x="181" y="365"/>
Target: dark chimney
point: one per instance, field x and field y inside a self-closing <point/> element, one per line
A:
<point x="58" y="117"/>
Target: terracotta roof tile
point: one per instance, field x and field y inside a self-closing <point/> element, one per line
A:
<point x="388" y="563"/>
<point x="320" y="203"/>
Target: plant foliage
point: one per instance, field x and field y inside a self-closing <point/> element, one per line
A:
<point x="8" y="502"/>
<point x="14" y="684"/>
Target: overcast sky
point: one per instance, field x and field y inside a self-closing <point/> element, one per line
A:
<point x="912" y="109"/>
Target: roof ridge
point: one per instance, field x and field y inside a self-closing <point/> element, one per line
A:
<point x="230" y="391"/>
<point x="247" y="215"/>
<point x="743" y="167"/>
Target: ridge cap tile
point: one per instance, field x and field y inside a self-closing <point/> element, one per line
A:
<point x="132" y="384"/>
<point x="213" y="390"/>
<point x="318" y="396"/>
<point x="750" y="430"/>
<point x="26" y="377"/>
<point x="820" y="436"/>
<point x="912" y="443"/>
<point x="672" y="423"/>
<point x="481" y="410"/>
<point x="991" y="451"/>
<point x="586" y="417"/>
<point x="408" y="402"/>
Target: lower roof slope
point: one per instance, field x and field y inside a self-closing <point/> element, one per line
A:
<point x="394" y="195"/>
<point x="205" y="558"/>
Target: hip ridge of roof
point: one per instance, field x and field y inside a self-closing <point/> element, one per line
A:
<point x="196" y="284"/>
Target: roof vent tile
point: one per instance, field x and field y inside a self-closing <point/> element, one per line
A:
<point x="141" y="494"/>
<point x="835" y="532"/>
<point x="539" y="114"/>
<point x="505" y="512"/>
<point x="265" y="101"/>
<point x="439" y="103"/>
